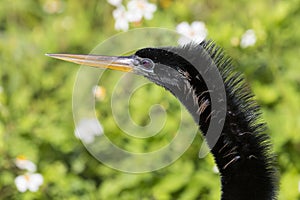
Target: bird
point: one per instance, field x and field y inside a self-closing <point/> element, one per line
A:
<point x="243" y="151"/>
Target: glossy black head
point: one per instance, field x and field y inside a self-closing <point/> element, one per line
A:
<point x="174" y="66"/>
<point x="180" y="70"/>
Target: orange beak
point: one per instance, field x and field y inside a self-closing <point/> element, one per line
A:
<point x="120" y="63"/>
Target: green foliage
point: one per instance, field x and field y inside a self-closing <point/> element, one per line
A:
<point x="36" y="95"/>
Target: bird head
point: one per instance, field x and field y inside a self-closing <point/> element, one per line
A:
<point x="169" y="67"/>
<point x="163" y="66"/>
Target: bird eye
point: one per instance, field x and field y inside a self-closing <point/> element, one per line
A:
<point x="147" y="63"/>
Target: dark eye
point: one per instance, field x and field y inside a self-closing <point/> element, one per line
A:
<point x="147" y="63"/>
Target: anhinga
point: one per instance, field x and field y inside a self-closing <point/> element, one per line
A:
<point x="242" y="151"/>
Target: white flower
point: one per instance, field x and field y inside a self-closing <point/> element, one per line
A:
<point x="115" y="2"/>
<point x="196" y="32"/>
<point x="87" y="129"/>
<point x="22" y="163"/>
<point x="29" y="182"/>
<point x="120" y="16"/>
<point x="137" y="9"/>
<point x="248" y="39"/>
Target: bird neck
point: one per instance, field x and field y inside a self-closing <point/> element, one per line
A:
<point x="241" y="151"/>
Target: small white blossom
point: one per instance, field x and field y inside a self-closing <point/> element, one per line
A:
<point x="299" y="186"/>
<point x="248" y="39"/>
<point x="121" y="18"/>
<point x="87" y="129"/>
<point x="22" y="163"/>
<point x="115" y="2"/>
<point x="30" y="182"/>
<point x="137" y="9"/>
<point x="196" y="32"/>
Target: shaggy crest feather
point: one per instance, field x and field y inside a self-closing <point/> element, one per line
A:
<point x="243" y="151"/>
<point x="245" y="134"/>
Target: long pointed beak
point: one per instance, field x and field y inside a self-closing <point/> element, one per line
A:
<point x="120" y="63"/>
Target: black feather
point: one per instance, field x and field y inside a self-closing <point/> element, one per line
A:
<point x="254" y="176"/>
<point x="243" y="151"/>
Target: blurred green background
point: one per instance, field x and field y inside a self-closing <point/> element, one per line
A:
<point x="36" y="94"/>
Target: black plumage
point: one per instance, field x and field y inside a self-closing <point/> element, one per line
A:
<point x="242" y="151"/>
